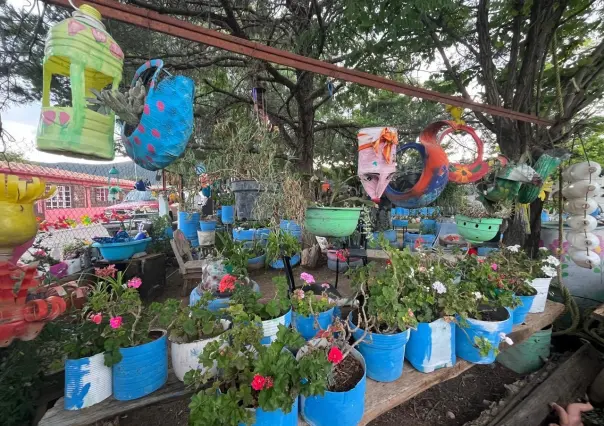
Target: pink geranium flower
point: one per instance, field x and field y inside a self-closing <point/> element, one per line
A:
<point x="335" y="355"/>
<point x="108" y="271"/>
<point x="135" y="282"/>
<point x="115" y="322"/>
<point x="325" y="285"/>
<point x="494" y="266"/>
<point x="96" y="318"/>
<point x="258" y="382"/>
<point x="308" y="278"/>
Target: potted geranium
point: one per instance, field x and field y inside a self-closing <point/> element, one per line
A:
<point x="256" y="384"/>
<point x="282" y="244"/>
<point x="311" y="312"/>
<point x="383" y="319"/>
<point x="274" y="312"/>
<point x="190" y="329"/>
<point x="129" y="336"/>
<point x="543" y="269"/>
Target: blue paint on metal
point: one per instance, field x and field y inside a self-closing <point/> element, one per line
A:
<point x="383" y="353"/>
<point x="215" y="304"/>
<point x="522" y="310"/>
<point x="75" y="388"/>
<point x="278" y="264"/>
<point x="227" y="214"/>
<point x="336" y="408"/>
<point x="277" y="417"/>
<point x="464" y="338"/>
<point x="400" y="223"/>
<point x="427" y="226"/>
<point x="207" y="225"/>
<point x="306" y="326"/>
<point x="142" y="370"/>
<point x="432" y="346"/>
<point x="410" y="239"/>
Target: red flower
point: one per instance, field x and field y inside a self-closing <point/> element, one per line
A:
<point x="269" y="382"/>
<point x="473" y="251"/>
<point x="258" y="382"/>
<point x="227" y="283"/>
<point x="342" y="255"/>
<point x="388" y="262"/>
<point x="335" y="355"/>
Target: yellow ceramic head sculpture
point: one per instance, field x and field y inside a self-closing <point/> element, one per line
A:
<point x="17" y="218"/>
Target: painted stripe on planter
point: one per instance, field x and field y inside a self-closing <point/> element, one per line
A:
<point x="432" y="346"/>
<point x="270" y="327"/>
<point x="87" y="382"/>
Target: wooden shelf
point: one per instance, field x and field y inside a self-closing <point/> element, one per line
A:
<point x="379" y="397"/>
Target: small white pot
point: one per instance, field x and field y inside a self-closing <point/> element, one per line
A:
<point x="185" y="356"/>
<point x="542" y="287"/>
<point x="88" y="381"/>
<point x="206" y="238"/>
<point x="73" y="266"/>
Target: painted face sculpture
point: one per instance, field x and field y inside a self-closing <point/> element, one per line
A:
<point x="377" y="159"/>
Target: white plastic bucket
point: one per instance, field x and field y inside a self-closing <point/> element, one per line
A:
<point x="73" y="266"/>
<point x="270" y="327"/>
<point x="87" y="382"/>
<point x="206" y="238"/>
<point x="542" y="287"/>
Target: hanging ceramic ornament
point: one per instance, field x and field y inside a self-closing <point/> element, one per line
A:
<point x="377" y="159"/>
<point x="587" y="170"/>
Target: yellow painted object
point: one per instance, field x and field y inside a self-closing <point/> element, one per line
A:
<point x="17" y="218"/>
<point x="79" y="48"/>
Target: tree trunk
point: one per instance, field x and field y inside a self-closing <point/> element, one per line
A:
<point x="306" y="119"/>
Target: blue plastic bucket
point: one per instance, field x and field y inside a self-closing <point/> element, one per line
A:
<point x="142" y="370"/>
<point x="306" y="325"/>
<point x="87" y="382"/>
<point x="491" y="330"/>
<point x="427" y="226"/>
<point x="277" y="417"/>
<point x="289" y="225"/>
<point x="432" y="346"/>
<point x="188" y="223"/>
<point x="383" y="353"/>
<point x="410" y="239"/>
<point x="270" y="327"/>
<point x="227" y="214"/>
<point x="219" y="213"/>
<point x="293" y="261"/>
<point x="522" y="310"/>
<point x="400" y="223"/>
<point x="337" y="408"/>
<point x="207" y="225"/>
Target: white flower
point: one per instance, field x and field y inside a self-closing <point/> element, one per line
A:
<point x="504" y="338"/>
<point x="412" y="274"/>
<point x="552" y="260"/>
<point x="477" y="295"/>
<point x="514" y="249"/>
<point x="439" y="287"/>
<point x="426" y="288"/>
<point x="431" y="269"/>
<point x="543" y="248"/>
<point x="548" y="270"/>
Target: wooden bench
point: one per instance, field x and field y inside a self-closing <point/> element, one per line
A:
<point x="379" y="397"/>
<point x="190" y="269"/>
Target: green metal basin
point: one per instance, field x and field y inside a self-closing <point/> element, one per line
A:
<point x="477" y="230"/>
<point x="332" y="221"/>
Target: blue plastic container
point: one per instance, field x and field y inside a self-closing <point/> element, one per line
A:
<point x="544" y="216"/>
<point x="115" y="252"/>
<point x="293" y="261"/>
<point x="428" y="226"/>
<point x="432" y="346"/>
<point x="142" y="370"/>
<point x="337" y="408"/>
<point x="256" y="262"/>
<point x="215" y="304"/>
<point x="522" y="310"/>
<point x="464" y="338"/>
<point x="87" y="382"/>
<point x="306" y="325"/>
<point x="400" y="223"/>
<point x="410" y="239"/>
<point x="219" y="213"/>
<point x="271" y="327"/>
<point x="227" y="214"/>
<point x="383" y="353"/>
<point x="277" y="417"/>
<point x="242" y="234"/>
<point x="484" y="251"/>
<point x="169" y="233"/>
<point x="188" y="223"/>
<point x="207" y="225"/>
<point x="289" y="225"/>
<point x="401" y="211"/>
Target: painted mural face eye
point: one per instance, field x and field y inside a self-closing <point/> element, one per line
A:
<point x="371" y="177"/>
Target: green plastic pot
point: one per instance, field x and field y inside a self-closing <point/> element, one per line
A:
<point x="332" y="221"/>
<point x="529" y="355"/>
<point x="477" y="230"/>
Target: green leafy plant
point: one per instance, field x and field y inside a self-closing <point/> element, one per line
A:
<point x="273" y="308"/>
<point x="75" y="249"/>
<point x="160" y="242"/>
<point x="281" y="243"/>
<point x="235" y="253"/>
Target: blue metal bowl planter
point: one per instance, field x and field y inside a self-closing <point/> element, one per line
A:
<point x="427" y="226"/>
<point x="142" y="370"/>
<point x="167" y="121"/>
<point x="432" y="346"/>
<point x="337" y="408"/>
<point x="306" y="326"/>
<point x="276" y="417"/>
<point x="87" y="382"/>
<point x="271" y="326"/>
<point x="291" y="227"/>
<point x="256" y="263"/>
<point x="218" y="303"/>
<point x="383" y="353"/>
<point x="465" y="346"/>
<point x="115" y="252"/>
<point x="522" y="310"/>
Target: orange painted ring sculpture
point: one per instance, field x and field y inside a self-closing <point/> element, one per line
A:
<point x="458" y="173"/>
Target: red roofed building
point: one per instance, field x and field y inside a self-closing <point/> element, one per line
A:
<point x="78" y="194"/>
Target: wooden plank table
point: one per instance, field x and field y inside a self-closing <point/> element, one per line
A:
<point x="379" y="397"/>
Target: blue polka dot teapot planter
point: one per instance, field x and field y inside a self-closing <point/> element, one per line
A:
<point x="167" y="120"/>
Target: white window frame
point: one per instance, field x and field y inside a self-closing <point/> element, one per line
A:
<point x="62" y="198"/>
<point x="101" y="194"/>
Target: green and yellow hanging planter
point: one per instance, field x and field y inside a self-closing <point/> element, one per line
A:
<point x="332" y="221"/>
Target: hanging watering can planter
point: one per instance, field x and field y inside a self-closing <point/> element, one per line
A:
<point x="167" y="121"/>
<point x="81" y="49"/>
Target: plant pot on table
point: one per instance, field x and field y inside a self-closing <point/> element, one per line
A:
<point x="88" y="381"/>
<point x="431" y="346"/>
<point x="307" y="325"/>
<point x="494" y="323"/>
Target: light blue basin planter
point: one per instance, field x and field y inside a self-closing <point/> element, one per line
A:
<point x="293" y="261"/>
<point x="521" y="311"/>
<point x="87" y="382"/>
<point x="216" y="304"/>
<point x="142" y="370"/>
<point x="256" y="262"/>
<point x="271" y="326"/>
<point x="115" y="252"/>
<point x="277" y="417"/>
<point x="307" y="327"/>
<point x="491" y="330"/>
<point x="432" y="346"/>
<point x="384" y="353"/>
<point x="337" y="408"/>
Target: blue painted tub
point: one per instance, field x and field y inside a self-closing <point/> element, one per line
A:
<point x="432" y="346"/>
<point x="521" y="311"/>
<point x="306" y="325"/>
<point x="242" y="234"/>
<point x="227" y="214"/>
<point x="188" y="223"/>
<point x="427" y="226"/>
<point x="409" y="241"/>
<point x="400" y="223"/>
<point x="337" y="408"/>
<point x="389" y="234"/>
<point x="207" y="225"/>
<point x="277" y="417"/>
<point x="293" y="261"/>
<point x="491" y="330"/>
<point x="484" y="251"/>
<point x="270" y="327"/>
<point x="383" y="353"/>
<point x="289" y="225"/>
<point x="142" y="370"/>
<point x="215" y="304"/>
<point x="256" y="262"/>
<point x="115" y="252"/>
<point x="87" y="382"/>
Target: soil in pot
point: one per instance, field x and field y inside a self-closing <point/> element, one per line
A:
<point x="346" y="374"/>
<point x="488" y="313"/>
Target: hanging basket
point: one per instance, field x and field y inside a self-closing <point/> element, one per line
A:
<point x="476" y="230"/>
<point x="167" y="121"/>
<point x="332" y="221"/>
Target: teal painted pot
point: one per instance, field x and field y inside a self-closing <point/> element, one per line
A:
<point x="530" y="355"/>
<point x="476" y="230"/>
<point x="332" y="221"/>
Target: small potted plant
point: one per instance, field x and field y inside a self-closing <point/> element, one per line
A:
<point x="543" y="269"/>
<point x="311" y="312"/>
<point x="77" y="256"/>
<point x="282" y="244"/>
<point x="226" y="201"/>
<point x="256" y="384"/>
<point x="274" y="312"/>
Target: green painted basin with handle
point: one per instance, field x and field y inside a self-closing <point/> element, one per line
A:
<point x="476" y="230"/>
<point x="332" y="221"/>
